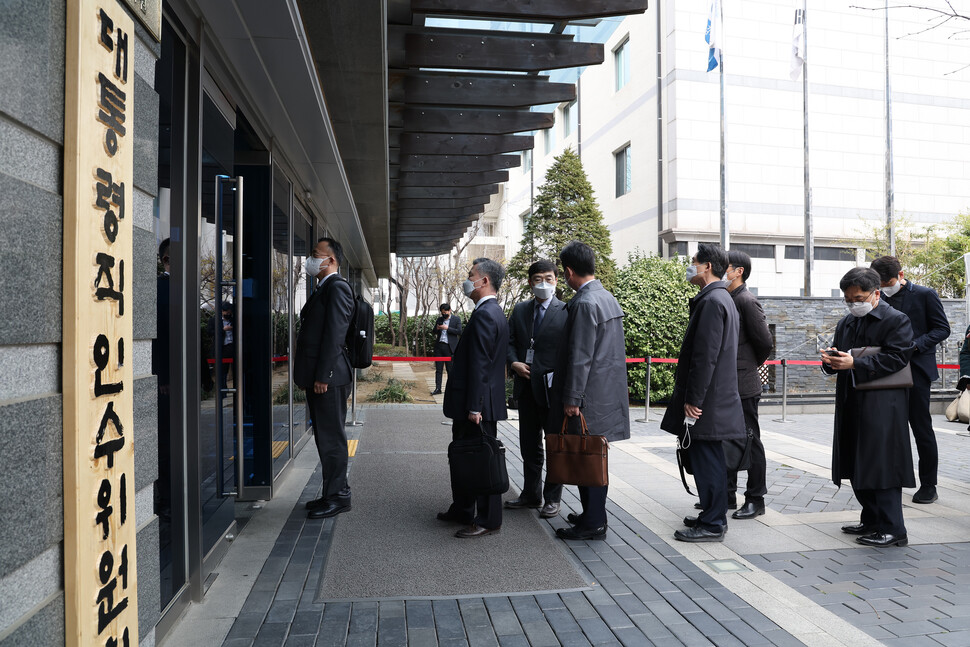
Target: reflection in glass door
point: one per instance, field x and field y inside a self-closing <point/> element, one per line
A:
<point x="302" y="248"/>
<point x="282" y="277"/>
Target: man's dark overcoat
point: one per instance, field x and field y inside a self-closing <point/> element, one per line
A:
<point x="754" y="341"/>
<point x="706" y="374"/>
<point x="591" y="372"/>
<point x="871" y="444"/>
<point x="477" y="378"/>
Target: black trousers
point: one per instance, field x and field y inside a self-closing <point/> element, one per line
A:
<point x="921" y="422"/>
<point x="532" y="422"/>
<point x="441" y="349"/>
<point x="329" y="413"/>
<point x="593" y="500"/>
<point x="464" y="504"/>
<point x="882" y="509"/>
<point x="707" y="459"/>
<point x="756" y="485"/>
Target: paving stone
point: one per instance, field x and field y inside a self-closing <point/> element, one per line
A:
<point x="506" y="623"/>
<point x="422" y="637"/>
<point x="306" y="622"/>
<point x="597" y="632"/>
<point x="518" y="640"/>
<point x="573" y="639"/>
<point x="282" y="611"/>
<point x="300" y="641"/>
<point x="613" y="616"/>
<point x="419" y="613"/>
<point x="270" y="635"/>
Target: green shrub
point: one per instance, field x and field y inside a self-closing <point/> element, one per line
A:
<point x="373" y="375"/>
<point x="386" y="350"/>
<point x="281" y="395"/>
<point x="654" y="294"/>
<point x="395" y="391"/>
<point x="415" y="324"/>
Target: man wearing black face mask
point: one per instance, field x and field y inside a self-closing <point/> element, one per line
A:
<point x="535" y="334"/>
<point x="871" y="444"/>
<point x="447" y="330"/>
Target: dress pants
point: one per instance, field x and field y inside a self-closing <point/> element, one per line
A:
<point x="329" y="413"/>
<point x="756" y="486"/>
<point x="441" y="349"/>
<point x="593" y="500"/>
<point x="489" y="506"/>
<point x="882" y="510"/>
<point x="707" y="459"/>
<point x="922" y="425"/>
<point x="532" y="420"/>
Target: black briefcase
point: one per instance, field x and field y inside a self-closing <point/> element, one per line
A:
<point x="477" y="465"/>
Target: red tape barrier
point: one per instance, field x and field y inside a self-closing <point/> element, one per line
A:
<point x="629" y="360"/>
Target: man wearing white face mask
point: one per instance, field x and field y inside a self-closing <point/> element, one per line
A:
<point x="535" y="334"/>
<point x="871" y="444"/>
<point x="930" y="326"/>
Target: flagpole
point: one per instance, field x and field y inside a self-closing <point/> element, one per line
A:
<point x="809" y="225"/>
<point x="725" y="233"/>
<point x="890" y="216"/>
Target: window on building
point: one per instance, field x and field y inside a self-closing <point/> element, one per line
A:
<point x="621" y="64"/>
<point x="834" y="254"/>
<point x="794" y="252"/>
<point x="488" y="228"/>
<point x="549" y="139"/>
<point x="569" y="118"/>
<point x="677" y="249"/>
<point x="624" y="181"/>
<point x="754" y="251"/>
<point x="527" y="160"/>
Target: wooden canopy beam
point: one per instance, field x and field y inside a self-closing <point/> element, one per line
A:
<point x="500" y="90"/>
<point x="455" y="144"/>
<point x="556" y="10"/>
<point x="446" y="191"/>
<point x="442" y="203"/>
<point x="511" y="51"/>
<point x="439" y="214"/>
<point x="475" y="121"/>
<point x="462" y="163"/>
<point x="454" y="179"/>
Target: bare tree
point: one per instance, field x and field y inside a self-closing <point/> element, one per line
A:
<point x="939" y="16"/>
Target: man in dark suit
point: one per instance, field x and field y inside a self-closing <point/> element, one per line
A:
<point x="448" y="329"/>
<point x="590" y="377"/>
<point x="322" y="368"/>
<point x="475" y="393"/>
<point x="535" y="334"/>
<point x="871" y="443"/>
<point x="706" y="392"/>
<point x="930" y="327"/>
<point x="754" y="346"/>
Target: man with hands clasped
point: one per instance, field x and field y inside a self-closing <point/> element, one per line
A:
<point x="535" y="334"/>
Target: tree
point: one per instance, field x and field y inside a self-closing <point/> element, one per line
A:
<point x="653" y="293"/>
<point x="565" y="210"/>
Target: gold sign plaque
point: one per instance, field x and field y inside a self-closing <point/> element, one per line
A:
<point x="149" y="13"/>
<point x="101" y="605"/>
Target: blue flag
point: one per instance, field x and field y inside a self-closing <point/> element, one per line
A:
<point x="713" y="35"/>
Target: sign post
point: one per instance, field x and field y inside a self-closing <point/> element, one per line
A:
<point x="101" y="604"/>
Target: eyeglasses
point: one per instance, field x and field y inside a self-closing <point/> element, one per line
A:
<point x="860" y="299"/>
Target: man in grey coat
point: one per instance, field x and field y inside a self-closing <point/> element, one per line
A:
<point x="706" y="392"/>
<point x="591" y="376"/>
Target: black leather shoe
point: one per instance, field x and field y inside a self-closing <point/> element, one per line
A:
<point x="882" y="540"/>
<point x="316" y="503"/>
<point x="696" y="534"/>
<point x="451" y="517"/>
<point x="331" y="509"/>
<point x="690" y="522"/>
<point x="749" y="511"/>
<point x="475" y="530"/>
<point x="518" y="504"/>
<point x="732" y="505"/>
<point x="436" y="392"/>
<point x="925" y="494"/>
<point x="581" y="533"/>
<point x="574" y="518"/>
<point x="858" y="529"/>
<point x="549" y="510"/>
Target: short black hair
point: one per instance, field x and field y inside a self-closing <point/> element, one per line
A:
<point x="492" y="269"/>
<point x="163" y="247"/>
<point x="227" y="305"/>
<point x="742" y="260"/>
<point x="444" y="306"/>
<point x="543" y="266"/>
<point x="579" y="257"/>
<point x="713" y="254"/>
<point x="888" y="267"/>
<point x="864" y="278"/>
<point x="335" y="248"/>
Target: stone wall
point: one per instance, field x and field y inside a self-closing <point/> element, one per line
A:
<point x="803" y="325"/>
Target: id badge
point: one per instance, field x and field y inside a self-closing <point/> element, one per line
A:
<point x="529" y="356"/>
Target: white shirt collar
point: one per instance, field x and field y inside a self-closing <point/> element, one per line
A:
<point x="585" y="284"/>
<point x="483" y="300"/>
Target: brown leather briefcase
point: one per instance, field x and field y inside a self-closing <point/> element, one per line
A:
<point x="577" y="459"/>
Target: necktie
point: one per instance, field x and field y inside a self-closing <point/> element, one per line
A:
<point x="540" y="311"/>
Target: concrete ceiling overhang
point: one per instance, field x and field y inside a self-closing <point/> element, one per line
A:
<point x="457" y="96"/>
<point x="269" y="52"/>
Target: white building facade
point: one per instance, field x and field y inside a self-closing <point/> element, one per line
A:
<point x="657" y="181"/>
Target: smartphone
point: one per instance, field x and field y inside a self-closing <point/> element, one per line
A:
<point x="834" y="353"/>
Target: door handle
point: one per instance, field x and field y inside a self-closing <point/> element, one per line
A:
<point x="238" y="334"/>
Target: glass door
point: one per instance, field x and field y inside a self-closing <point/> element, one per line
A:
<point x="281" y="279"/>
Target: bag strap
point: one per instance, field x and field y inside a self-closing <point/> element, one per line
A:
<point x="682" y="447"/>
<point x="582" y="422"/>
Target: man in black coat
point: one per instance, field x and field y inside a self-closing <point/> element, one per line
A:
<point x="590" y="377"/>
<point x="475" y="393"/>
<point x="535" y="337"/>
<point x="754" y="346"/>
<point x="871" y="445"/>
<point x="930" y="327"/>
<point x="706" y="392"/>
<point x="322" y="368"/>
<point x="447" y="330"/>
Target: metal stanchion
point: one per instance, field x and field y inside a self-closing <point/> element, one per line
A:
<point x="646" y="395"/>
<point x="353" y="404"/>
<point x="784" y="393"/>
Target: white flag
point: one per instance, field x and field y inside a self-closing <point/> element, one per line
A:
<point x="798" y="44"/>
<point x="713" y="35"/>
